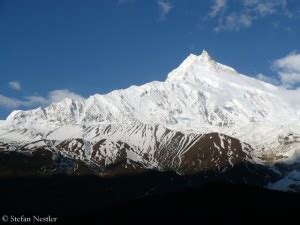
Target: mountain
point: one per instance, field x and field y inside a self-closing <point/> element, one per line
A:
<point x="204" y="118"/>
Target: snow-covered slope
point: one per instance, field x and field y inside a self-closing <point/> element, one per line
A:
<point x="200" y="92"/>
<point x="201" y="96"/>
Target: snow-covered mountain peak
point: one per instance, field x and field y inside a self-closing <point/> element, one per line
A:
<point x="194" y="67"/>
<point x="205" y="56"/>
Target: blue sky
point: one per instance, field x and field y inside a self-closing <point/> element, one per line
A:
<point x="52" y="49"/>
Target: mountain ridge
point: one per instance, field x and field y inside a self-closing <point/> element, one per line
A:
<point x="200" y="97"/>
<point x="112" y="102"/>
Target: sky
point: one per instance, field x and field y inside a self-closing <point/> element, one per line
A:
<point x="52" y="49"/>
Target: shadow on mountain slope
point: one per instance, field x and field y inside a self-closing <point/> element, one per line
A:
<point x="30" y="184"/>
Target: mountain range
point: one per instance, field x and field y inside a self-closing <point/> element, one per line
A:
<point x="205" y="118"/>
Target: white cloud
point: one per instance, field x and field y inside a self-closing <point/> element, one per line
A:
<point x="290" y="79"/>
<point x="16" y="85"/>
<point x="234" y="21"/>
<point x="217" y="7"/>
<point x="35" y="100"/>
<point x="288" y="69"/>
<point x="266" y="8"/>
<point x="267" y="79"/>
<point x="58" y="95"/>
<point x="7" y="102"/>
<point x="244" y="15"/>
<point x="165" y="7"/>
<point x="291" y="62"/>
<point x="291" y="97"/>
